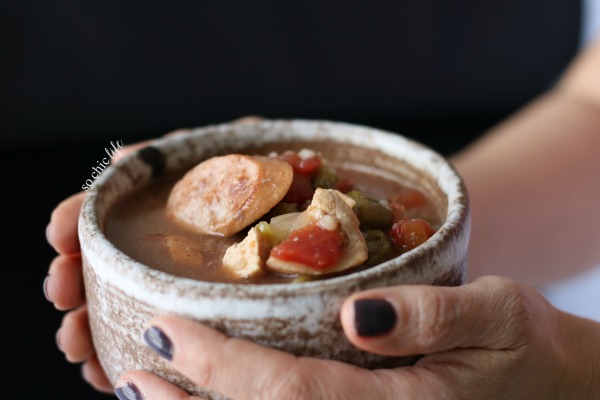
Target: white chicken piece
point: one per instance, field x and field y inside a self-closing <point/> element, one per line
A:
<point x="182" y="250"/>
<point x="331" y="210"/>
<point x="247" y="258"/>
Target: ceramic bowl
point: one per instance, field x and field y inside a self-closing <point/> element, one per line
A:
<point x="301" y="318"/>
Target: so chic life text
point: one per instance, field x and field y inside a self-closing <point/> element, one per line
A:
<point x="103" y="163"/>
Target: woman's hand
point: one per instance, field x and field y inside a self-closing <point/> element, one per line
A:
<point x="490" y="339"/>
<point x="64" y="287"/>
<point x="64" y="284"/>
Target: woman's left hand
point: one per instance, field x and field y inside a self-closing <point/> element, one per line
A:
<point x="492" y="338"/>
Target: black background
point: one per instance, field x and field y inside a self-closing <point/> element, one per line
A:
<point x="76" y="75"/>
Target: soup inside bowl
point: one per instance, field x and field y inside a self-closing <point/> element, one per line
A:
<point x="132" y="272"/>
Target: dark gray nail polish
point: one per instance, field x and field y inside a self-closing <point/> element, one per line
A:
<point x="154" y="158"/>
<point x="159" y="342"/>
<point x="373" y="317"/>
<point x="129" y="392"/>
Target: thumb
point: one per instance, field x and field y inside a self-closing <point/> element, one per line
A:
<point x="491" y="312"/>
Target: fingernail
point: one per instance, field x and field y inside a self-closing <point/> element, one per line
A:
<point x="373" y="317"/>
<point x="159" y="342"/>
<point x="128" y="392"/>
<point x="46" y="288"/>
<point x="57" y="339"/>
<point x="85" y="371"/>
<point x="48" y="233"/>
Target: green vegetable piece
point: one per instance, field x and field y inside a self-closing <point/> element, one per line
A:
<point x="303" y="278"/>
<point x="275" y="234"/>
<point x="325" y="178"/>
<point x="379" y="247"/>
<point x="371" y="213"/>
<point x="264" y="229"/>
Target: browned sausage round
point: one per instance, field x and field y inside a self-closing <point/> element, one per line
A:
<point x="224" y="194"/>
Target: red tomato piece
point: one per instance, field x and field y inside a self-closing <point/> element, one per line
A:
<point x="398" y="212"/>
<point x="300" y="191"/>
<point x="309" y="165"/>
<point x="291" y="158"/>
<point x="311" y="246"/>
<point x="406" y="235"/>
<point x="409" y="198"/>
<point x="344" y="185"/>
<point x="405" y="200"/>
<point x="306" y="166"/>
<point x="428" y="229"/>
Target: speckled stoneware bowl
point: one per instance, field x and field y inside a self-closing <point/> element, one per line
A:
<point x="302" y="318"/>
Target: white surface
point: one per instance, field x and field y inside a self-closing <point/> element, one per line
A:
<point x="591" y="20"/>
<point x="579" y="295"/>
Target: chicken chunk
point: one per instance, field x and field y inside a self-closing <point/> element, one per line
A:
<point x="181" y="250"/>
<point x="225" y="194"/>
<point x="247" y="258"/>
<point x="330" y="210"/>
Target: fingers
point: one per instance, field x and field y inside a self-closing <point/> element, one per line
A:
<point x="140" y="145"/>
<point x="64" y="284"/>
<point x="62" y="231"/>
<point x="138" y="385"/>
<point x="179" y="132"/>
<point x="130" y="149"/>
<point x="93" y="374"/>
<point x="74" y="337"/>
<point x="492" y="312"/>
<point x="243" y="370"/>
<point x="248" y="120"/>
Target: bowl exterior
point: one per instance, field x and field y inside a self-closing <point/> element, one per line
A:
<point x="301" y="318"/>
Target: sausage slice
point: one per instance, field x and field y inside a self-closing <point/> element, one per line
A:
<point x="225" y="194"/>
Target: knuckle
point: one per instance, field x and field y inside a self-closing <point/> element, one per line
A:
<point x="520" y="308"/>
<point x="295" y="384"/>
<point x="435" y="318"/>
<point x="204" y="371"/>
<point x="516" y="300"/>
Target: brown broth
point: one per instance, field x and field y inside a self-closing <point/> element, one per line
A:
<point x="138" y="226"/>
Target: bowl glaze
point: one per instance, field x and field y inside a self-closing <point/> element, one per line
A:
<point x="301" y="318"/>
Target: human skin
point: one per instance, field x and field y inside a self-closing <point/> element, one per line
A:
<point x="499" y="339"/>
<point x="531" y="182"/>
<point x="534" y="219"/>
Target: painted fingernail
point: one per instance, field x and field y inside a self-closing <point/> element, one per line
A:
<point x="159" y="342"/>
<point x="128" y="392"/>
<point x="373" y="317"/>
<point x="153" y="157"/>
<point x="46" y="288"/>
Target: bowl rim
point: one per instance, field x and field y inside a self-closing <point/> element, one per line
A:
<point x="458" y="214"/>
